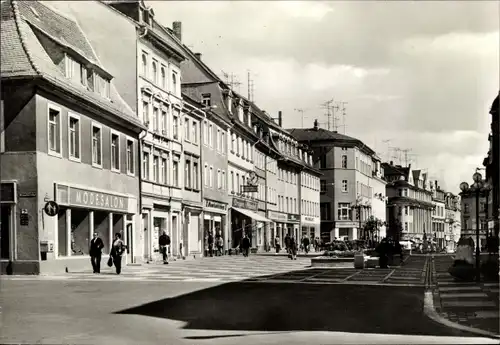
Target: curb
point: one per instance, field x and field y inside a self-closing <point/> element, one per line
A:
<point x="430" y="311"/>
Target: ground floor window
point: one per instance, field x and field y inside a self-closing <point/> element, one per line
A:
<point x="5" y="231"/>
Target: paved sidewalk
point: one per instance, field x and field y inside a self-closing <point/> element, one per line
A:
<point x="466" y="303"/>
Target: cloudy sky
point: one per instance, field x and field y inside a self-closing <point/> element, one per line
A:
<point x="420" y="74"/>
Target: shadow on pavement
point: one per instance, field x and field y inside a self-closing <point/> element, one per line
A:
<point x="247" y="306"/>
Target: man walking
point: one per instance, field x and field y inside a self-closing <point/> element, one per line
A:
<point x="96" y="246"/>
<point x="245" y="245"/>
<point x="164" y="242"/>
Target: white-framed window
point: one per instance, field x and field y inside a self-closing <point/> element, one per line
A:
<point x="163" y="122"/>
<point x="205" y="132"/>
<point x="232" y="181"/>
<point x="130" y="157"/>
<point x="54" y="130"/>
<point x="344" y="186"/>
<point x="238" y="189"/>
<point x="186" y="129"/>
<point x="174" y="83"/>
<point x="218" y="139"/>
<point x="223" y="142"/>
<point x="163" y="77"/>
<point x="211" y="135"/>
<point x="144" y="64"/>
<point x="175" y="171"/>
<point x="101" y="85"/>
<point x="187" y="173"/>
<point x="156" y="168"/>
<point x="194" y="132"/>
<point x="145" y="166"/>
<point x="145" y="113"/>
<point x="154" y="70"/>
<point x="206" y="100"/>
<point x="163" y="171"/>
<point x="155" y="119"/>
<point x="74" y="131"/>
<point x="194" y="179"/>
<point x="233" y="142"/>
<point x="211" y="177"/>
<point x="344" y="211"/>
<point x="96" y="145"/>
<point x="344" y="161"/>
<point x="115" y="151"/>
<point x="205" y="174"/>
<point x="219" y="179"/>
<point x="175" y="124"/>
<point x="223" y="180"/>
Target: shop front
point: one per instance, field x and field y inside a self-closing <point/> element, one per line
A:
<point x="283" y="224"/>
<point x="245" y="220"/>
<point x="215" y="222"/>
<point x="191" y="236"/>
<point x="8" y="203"/>
<point x="82" y="212"/>
<point x="310" y="227"/>
<point x="345" y="230"/>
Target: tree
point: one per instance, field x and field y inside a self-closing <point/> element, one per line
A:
<point x="372" y="225"/>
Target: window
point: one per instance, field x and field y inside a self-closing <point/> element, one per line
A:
<point x="206" y="99"/>
<point x="205" y="174"/>
<point x="344" y="211"/>
<point x="210" y="135"/>
<point x="211" y="177"/>
<point x="344" y="162"/>
<point x="163" y="76"/>
<point x="194" y="132"/>
<point x="324" y="209"/>
<point x="187" y="173"/>
<point x="163" y="122"/>
<point x="233" y="142"/>
<point x="205" y="132"/>
<point x="166" y="173"/>
<point x="218" y="139"/>
<point x="223" y="180"/>
<point x="407" y="210"/>
<point x="174" y="82"/>
<point x="130" y="156"/>
<point x="96" y="145"/>
<point x="155" y="119"/>
<point x="163" y="171"/>
<point x="237" y="183"/>
<point x="223" y="142"/>
<point x="154" y="70"/>
<point x="219" y="179"/>
<point x="175" y="126"/>
<point x="115" y="151"/>
<point x="74" y="137"/>
<point x="466" y="208"/>
<point x="156" y="168"/>
<point x="145" y="113"/>
<point x="101" y="86"/>
<point x="186" y="129"/>
<point x="54" y="130"/>
<point x="144" y="65"/>
<point x="195" y="176"/>
<point x="323" y="186"/>
<point x="145" y="165"/>
<point x="344" y="186"/>
<point x="73" y="70"/>
<point x="232" y="182"/>
<point x="406" y="226"/>
<point x="175" y="171"/>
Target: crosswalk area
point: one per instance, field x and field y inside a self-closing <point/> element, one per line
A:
<point x="253" y="269"/>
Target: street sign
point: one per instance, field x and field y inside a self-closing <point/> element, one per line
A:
<point x="250" y="189"/>
<point x="51" y="208"/>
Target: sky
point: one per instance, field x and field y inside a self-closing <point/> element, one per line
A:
<point x="418" y="76"/>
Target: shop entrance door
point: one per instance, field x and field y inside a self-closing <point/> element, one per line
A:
<point x="5" y="232"/>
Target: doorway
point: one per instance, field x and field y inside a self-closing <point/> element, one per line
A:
<point x="145" y="224"/>
<point x="5" y="232"/>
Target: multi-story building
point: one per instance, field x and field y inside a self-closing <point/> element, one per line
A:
<point x="69" y="137"/>
<point x="452" y="221"/>
<point x="409" y="203"/>
<point x="347" y="185"/>
<point x="438" y="215"/>
<point x="469" y="215"/>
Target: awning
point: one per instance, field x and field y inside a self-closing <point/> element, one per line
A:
<point x="252" y="215"/>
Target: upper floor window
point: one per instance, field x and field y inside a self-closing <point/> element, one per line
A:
<point x="174" y="82"/>
<point x="102" y="85"/>
<point x="130" y="157"/>
<point x="54" y="128"/>
<point x="222" y="142"/>
<point x="186" y="129"/>
<point x="206" y="99"/>
<point x="205" y="132"/>
<point x="323" y="186"/>
<point x="163" y="77"/>
<point x="96" y="145"/>
<point x="344" y="186"/>
<point x="74" y="137"/>
<point x="175" y="124"/>
<point x="194" y="132"/>
<point x="218" y="139"/>
<point x="154" y="70"/>
<point x="145" y="165"/>
<point x="210" y="135"/>
<point x="344" y="211"/>
<point x="144" y="64"/>
<point x="211" y="177"/>
<point x="115" y="151"/>
<point x="322" y="162"/>
<point x="175" y="171"/>
<point x="344" y="162"/>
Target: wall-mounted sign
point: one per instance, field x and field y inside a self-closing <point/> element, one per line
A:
<point x="215" y="204"/>
<point x="293" y="218"/>
<point x="248" y="204"/>
<point x="278" y="216"/>
<point x="27" y="194"/>
<point x="51" y="208"/>
<point x="341" y="224"/>
<point x="250" y="188"/>
<point x="24" y="218"/>
<point x="86" y="198"/>
<point x="308" y="219"/>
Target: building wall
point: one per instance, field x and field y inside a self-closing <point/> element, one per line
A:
<point x="469" y="220"/>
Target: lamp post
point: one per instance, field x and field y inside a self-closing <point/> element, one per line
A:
<point x="477" y="188"/>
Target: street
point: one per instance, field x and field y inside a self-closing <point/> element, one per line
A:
<point x="127" y="311"/>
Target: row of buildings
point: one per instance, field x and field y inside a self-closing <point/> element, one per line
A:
<point x="489" y="199"/>
<point x="129" y="131"/>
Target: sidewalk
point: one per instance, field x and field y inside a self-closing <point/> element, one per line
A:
<point x="466" y="303"/>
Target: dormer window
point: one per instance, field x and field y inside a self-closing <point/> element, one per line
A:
<point x="249" y="120"/>
<point x="206" y="99"/>
<point x="101" y="86"/>
<point x="229" y="104"/>
<point x="75" y="71"/>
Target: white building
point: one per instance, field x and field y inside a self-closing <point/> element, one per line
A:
<point x="379" y="200"/>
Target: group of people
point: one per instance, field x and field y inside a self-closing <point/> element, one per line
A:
<point x="115" y="256"/>
<point x="215" y="244"/>
<point x="386" y="250"/>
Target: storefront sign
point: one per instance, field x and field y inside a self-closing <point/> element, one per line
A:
<point x="280" y="217"/>
<point x="8" y="192"/>
<point x="248" y="204"/>
<point x="308" y="219"/>
<point x="346" y="224"/>
<point x="293" y="218"/>
<point x="215" y="204"/>
<point x="85" y="198"/>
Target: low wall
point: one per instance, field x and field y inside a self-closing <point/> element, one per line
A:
<point x="328" y="262"/>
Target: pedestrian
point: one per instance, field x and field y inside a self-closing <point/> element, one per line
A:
<point x="383" y="251"/>
<point x="245" y="245"/>
<point x="95" y="252"/>
<point x="287" y="243"/>
<point x="316" y="244"/>
<point x="293" y="248"/>
<point x="220" y="245"/>
<point x="210" y="244"/>
<point x="164" y="242"/>
<point x="277" y="244"/>
<point x="117" y="251"/>
<point x="306" y="242"/>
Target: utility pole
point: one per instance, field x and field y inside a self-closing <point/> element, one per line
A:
<point x="301" y="111"/>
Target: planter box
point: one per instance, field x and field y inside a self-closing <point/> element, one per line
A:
<point x="371" y="262"/>
<point x="325" y="261"/>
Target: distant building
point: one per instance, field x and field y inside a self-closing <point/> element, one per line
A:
<point x="352" y="189"/>
<point x="452" y="221"/>
<point x="438" y="214"/>
<point x="409" y="205"/>
<point x="469" y="216"/>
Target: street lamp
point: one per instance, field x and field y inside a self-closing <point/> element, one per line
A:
<point x="478" y="187"/>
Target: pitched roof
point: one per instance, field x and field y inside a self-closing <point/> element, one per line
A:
<point x="23" y="55"/>
<point x="395" y="170"/>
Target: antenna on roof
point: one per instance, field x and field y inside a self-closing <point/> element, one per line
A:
<point x="329" y="111"/>
<point x="250" y="86"/>
<point x="301" y="111"/>
<point x="231" y="80"/>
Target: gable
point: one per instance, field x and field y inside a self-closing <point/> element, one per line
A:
<point x="193" y="74"/>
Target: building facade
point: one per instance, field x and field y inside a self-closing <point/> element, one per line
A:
<point x="470" y="213"/>
<point x="438" y="215"/>
<point x="452" y="221"/>
<point x="348" y="182"/>
<point x="409" y="203"/>
<point x="62" y="112"/>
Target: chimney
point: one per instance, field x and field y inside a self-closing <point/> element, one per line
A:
<point x="177" y="28"/>
<point x="198" y="56"/>
<point x="391" y="162"/>
<point x="280" y="118"/>
<point x="316" y="125"/>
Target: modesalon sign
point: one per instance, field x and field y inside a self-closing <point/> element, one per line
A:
<point x="85" y="198"/>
